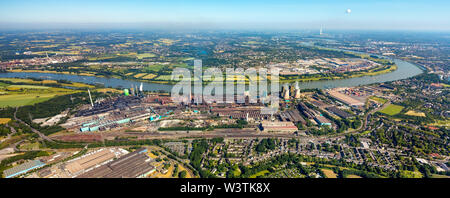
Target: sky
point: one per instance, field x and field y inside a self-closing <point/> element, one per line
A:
<point x="228" y="14"/>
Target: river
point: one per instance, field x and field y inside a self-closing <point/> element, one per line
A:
<point x="404" y="70"/>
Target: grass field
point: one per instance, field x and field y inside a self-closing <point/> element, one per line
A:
<point x="27" y="87"/>
<point x="164" y="77"/>
<point x="415" y="113"/>
<point x="22" y="99"/>
<point x="329" y="173"/>
<point x="45" y="82"/>
<point x="392" y="110"/>
<point x="154" y="68"/>
<point x="30" y="146"/>
<point x="410" y="174"/>
<point x="21" y="95"/>
<point x="237" y="172"/>
<point x="260" y="173"/>
<point x="378" y="99"/>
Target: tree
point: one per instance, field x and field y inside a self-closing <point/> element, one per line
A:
<point x="182" y="174"/>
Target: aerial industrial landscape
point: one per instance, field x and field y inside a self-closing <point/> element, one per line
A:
<point x="100" y="104"/>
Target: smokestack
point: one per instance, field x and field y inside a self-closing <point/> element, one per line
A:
<point x="90" y="97"/>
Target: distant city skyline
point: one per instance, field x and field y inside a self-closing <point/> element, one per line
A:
<point x="230" y="14"/>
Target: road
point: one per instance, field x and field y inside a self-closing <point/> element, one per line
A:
<point x="189" y="168"/>
<point x="32" y="129"/>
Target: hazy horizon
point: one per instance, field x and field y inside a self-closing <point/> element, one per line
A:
<point x="277" y="15"/>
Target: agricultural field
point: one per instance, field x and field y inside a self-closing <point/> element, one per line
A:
<point x="329" y="173"/>
<point x="111" y="90"/>
<point x="100" y="58"/>
<point x="392" y="110"/>
<point x="21" y="95"/>
<point x="43" y="82"/>
<point x="353" y="176"/>
<point x="164" y="77"/>
<point x="4" y="120"/>
<point x="140" y="75"/>
<point x="145" y="55"/>
<point x="149" y="76"/>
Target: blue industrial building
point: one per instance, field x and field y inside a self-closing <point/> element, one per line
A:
<point x="23" y="168"/>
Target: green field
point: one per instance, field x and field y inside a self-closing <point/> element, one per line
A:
<point x="21" y="95"/>
<point x="24" y="99"/>
<point x="410" y="174"/>
<point x="154" y="68"/>
<point x="145" y="55"/>
<point x="378" y="99"/>
<point x="261" y="173"/>
<point x="392" y="110"/>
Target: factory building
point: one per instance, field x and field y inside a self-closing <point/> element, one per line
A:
<point x="305" y="110"/>
<point x="109" y="105"/>
<point x="322" y="121"/>
<point x="240" y="112"/>
<point x="132" y="165"/>
<point x="114" y="120"/>
<point x="292" y="116"/>
<point x="269" y="126"/>
<point x="339" y="112"/>
<point x="346" y="99"/>
<point x="23" y="168"/>
<point x="86" y="162"/>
